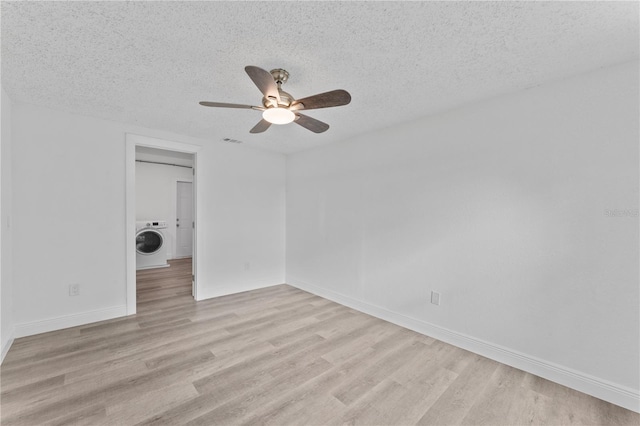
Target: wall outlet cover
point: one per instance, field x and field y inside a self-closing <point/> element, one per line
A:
<point x="74" y="289"/>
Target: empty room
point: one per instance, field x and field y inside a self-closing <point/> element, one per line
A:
<point x="320" y="213"/>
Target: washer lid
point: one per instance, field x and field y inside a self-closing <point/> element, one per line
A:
<point x="149" y="241"/>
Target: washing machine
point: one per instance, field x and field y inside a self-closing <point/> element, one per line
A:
<point x="150" y="249"/>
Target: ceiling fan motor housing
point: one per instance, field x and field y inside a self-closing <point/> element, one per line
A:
<point x="285" y="100"/>
<point x="280" y="76"/>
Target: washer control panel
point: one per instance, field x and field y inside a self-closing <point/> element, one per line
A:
<point x="159" y="224"/>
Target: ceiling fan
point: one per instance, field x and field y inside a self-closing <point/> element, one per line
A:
<point x="279" y="107"/>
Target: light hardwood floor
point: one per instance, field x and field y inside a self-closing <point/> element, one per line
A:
<point x="276" y="356"/>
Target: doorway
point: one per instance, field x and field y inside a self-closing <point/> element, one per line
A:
<point x="156" y="171"/>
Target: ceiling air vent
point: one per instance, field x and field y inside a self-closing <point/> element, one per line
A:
<point x="231" y="140"/>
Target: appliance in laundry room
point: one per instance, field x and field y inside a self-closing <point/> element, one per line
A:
<point x="150" y="244"/>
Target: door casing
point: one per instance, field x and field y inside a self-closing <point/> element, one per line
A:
<point x="131" y="141"/>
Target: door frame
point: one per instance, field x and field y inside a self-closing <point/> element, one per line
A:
<point x="131" y="141"/>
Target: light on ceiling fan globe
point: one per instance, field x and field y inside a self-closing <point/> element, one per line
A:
<point x="278" y="115"/>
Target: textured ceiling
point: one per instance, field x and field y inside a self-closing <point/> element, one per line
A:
<point x="149" y="63"/>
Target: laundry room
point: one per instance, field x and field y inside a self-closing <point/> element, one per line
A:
<point x="164" y="223"/>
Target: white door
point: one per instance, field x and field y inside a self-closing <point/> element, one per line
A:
<point x="184" y="220"/>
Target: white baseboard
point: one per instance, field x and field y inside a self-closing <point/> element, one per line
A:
<point x="43" y="326"/>
<point x="166" y="265"/>
<point x="7" y="344"/>
<point x="603" y="389"/>
<point x="210" y="293"/>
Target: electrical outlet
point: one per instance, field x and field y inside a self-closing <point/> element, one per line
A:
<point x="247" y="266"/>
<point x="74" y="289"/>
<point x="435" y="298"/>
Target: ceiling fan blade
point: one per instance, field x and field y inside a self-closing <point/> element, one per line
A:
<point x="323" y="100"/>
<point x="316" y="126"/>
<point x="260" y="127"/>
<point x="265" y="82"/>
<point x="224" y="105"/>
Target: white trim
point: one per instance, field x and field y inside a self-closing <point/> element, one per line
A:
<point x="612" y="392"/>
<point x="239" y="288"/>
<point x="131" y="141"/>
<point x="154" y="267"/>
<point x="8" y="344"/>
<point x="59" y="323"/>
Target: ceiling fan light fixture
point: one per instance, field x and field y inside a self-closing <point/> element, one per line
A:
<point x="279" y="107"/>
<point x="278" y="115"/>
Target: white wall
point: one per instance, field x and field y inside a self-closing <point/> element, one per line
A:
<point x="69" y="217"/>
<point x="501" y="207"/>
<point x="6" y="262"/>
<point x="245" y="220"/>
<point x="156" y="192"/>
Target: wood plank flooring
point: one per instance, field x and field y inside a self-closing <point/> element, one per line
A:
<point x="274" y="356"/>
